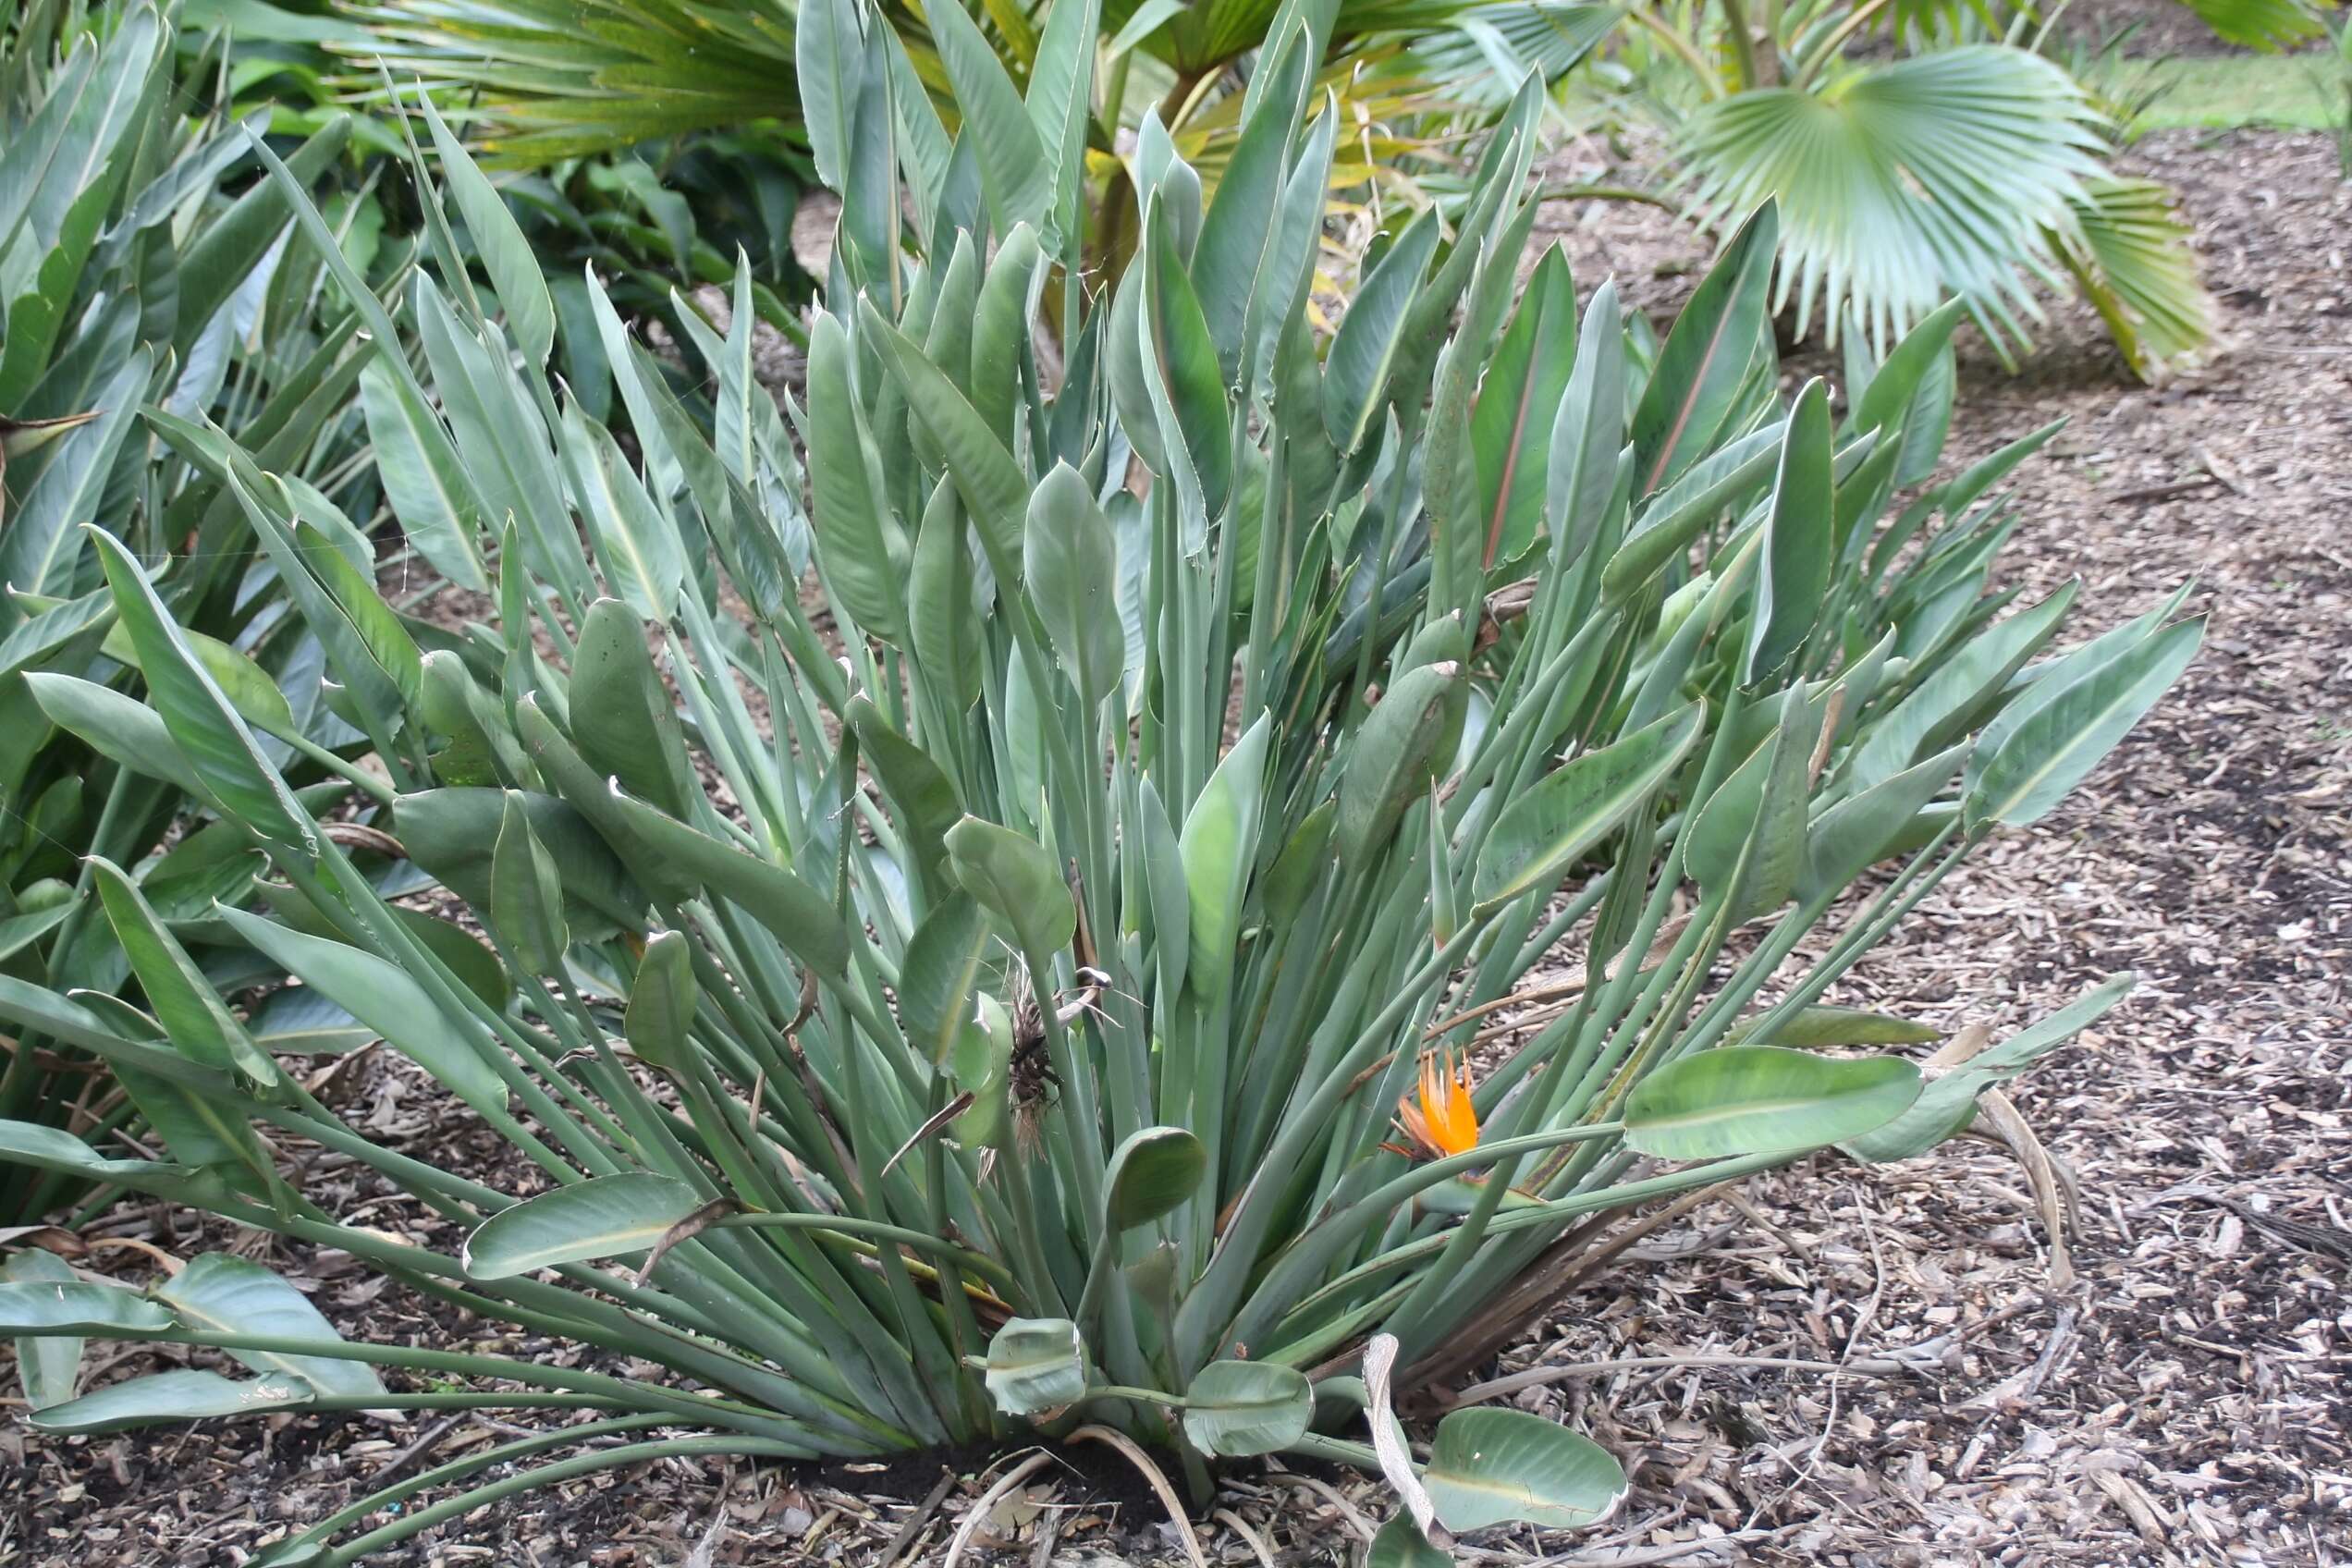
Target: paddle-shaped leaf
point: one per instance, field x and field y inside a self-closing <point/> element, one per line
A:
<point x="430" y="492"/>
<point x="1812" y="1028"/>
<point x="1235" y="1409"/>
<point x="1398" y="755"/>
<point x="1706" y="359"/>
<point x="1016" y="880"/>
<point x="1541" y="835"/>
<point x="1490" y="1466"/>
<point x="863" y="549"/>
<point x="1012" y="162"/>
<point x="1218" y="844"/>
<point x="1071" y="560"/>
<point x="644" y="561"/>
<point x="383" y="996"/>
<point x="526" y="892"/>
<point x="2032" y="760"/>
<point x="38" y="1291"/>
<point x="1154" y="1171"/>
<point x="220" y="1293"/>
<point x="665" y="853"/>
<point x="43" y="1298"/>
<point x="53" y="1149"/>
<point x="622" y="719"/>
<point x="604" y="1216"/>
<point x="1798" y="538"/>
<point x="995" y="492"/>
<point x="1764" y="1099"/>
<point x="945" y="962"/>
<point x="202" y="722"/>
<point x="1860" y="830"/>
<point x="1948" y="1101"/>
<point x="190" y="1395"/>
<point x="184" y="1001"/>
<point x="454" y="834"/>
<point x="505" y="255"/>
<point x="663" y="1002"/>
<point x="1356" y="375"/>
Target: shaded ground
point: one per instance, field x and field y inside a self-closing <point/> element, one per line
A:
<point x="2183" y="1401"/>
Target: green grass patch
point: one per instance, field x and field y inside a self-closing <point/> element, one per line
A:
<point x="2303" y="92"/>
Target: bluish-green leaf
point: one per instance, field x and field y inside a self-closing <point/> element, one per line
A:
<point x="1493" y="1466"/>
<point x="1218" y="845"/>
<point x="1764" y="1099"/>
<point x="383" y="996"/>
<point x="1540" y="836"/>
<point x="203" y="724"/>
<point x="1036" y="1365"/>
<point x="1154" y="1171"/>
<point x="189" y="1395"/>
<point x="1237" y="1409"/>
<point x="1071" y="560"/>
<point x="221" y="1294"/>
<point x="2045" y="744"/>
<point x="1799" y="534"/>
<point x="1015" y="880"/>
<point x="605" y="1216"/>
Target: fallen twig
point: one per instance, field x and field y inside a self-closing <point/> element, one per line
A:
<point x="902" y="1543"/>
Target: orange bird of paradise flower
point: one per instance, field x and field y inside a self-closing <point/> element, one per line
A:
<point x="1440" y="1119"/>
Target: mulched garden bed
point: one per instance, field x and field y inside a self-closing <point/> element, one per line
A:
<point x="1867" y="1368"/>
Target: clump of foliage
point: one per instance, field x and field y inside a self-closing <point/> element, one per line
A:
<point x="144" y="290"/>
<point x="1045" y="1002"/>
<point x="1922" y="150"/>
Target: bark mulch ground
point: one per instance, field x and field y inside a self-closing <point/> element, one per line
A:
<point x="1875" y="1368"/>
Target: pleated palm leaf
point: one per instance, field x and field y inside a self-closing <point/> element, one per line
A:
<point x="552" y="78"/>
<point x="1903" y="183"/>
<point x="1967" y="163"/>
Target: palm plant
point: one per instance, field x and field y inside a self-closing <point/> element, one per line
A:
<point x="1921" y="151"/>
<point x="554" y="78"/>
<point x="992" y="1021"/>
<point x="540" y="81"/>
<point x="143" y="291"/>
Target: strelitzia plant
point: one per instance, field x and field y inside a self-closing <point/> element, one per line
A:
<point x="142" y="269"/>
<point x="988" y="1019"/>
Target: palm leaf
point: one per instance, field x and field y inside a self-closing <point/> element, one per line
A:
<point x="1900" y="184"/>
<point x="544" y="79"/>
<point x="1479" y="54"/>
<point x="2267" y="25"/>
<point x="2128" y="249"/>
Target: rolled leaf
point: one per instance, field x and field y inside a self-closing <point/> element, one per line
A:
<point x="1036" y="1365"/>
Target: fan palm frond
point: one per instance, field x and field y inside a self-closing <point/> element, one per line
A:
<point x="1903" y="183"/>
<point x="545" y="79"/>
<point x="1479" y="54"/>
<point x="2267" y="25"/>
<point x="2128" y="249"/>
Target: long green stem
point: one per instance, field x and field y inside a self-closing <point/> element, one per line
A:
<point x="563" y="1470"/>
<point x="624" y="1394"/>
<point x="457" y="1469"/>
